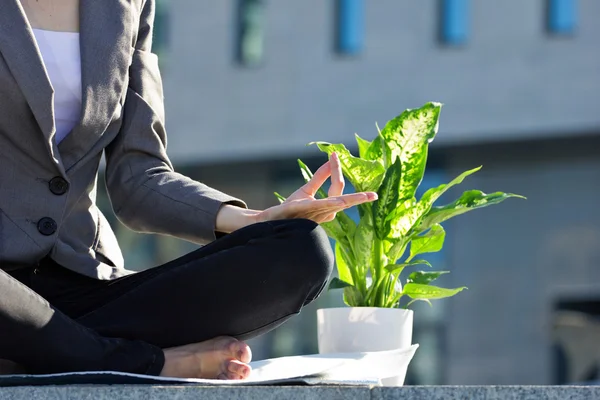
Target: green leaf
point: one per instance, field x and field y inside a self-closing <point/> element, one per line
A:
<point x="364" y="175"/>
<point x="430" y="196"/>
<point x="343" y="264"/>
<point x="379" y="150"/>
<point x="470" y="200"/>
<point x="399" y="222"/>
<point x="337" y="283"/>
<point x="396" y="267"/>
<point x="387" y="200"/>
<point x="375" y="150"/>
<point x="347" y="224"/>
<point x="403" y="222"/>
<point x="307" y="175"/>
<point x="420" y="292"/>
<point x="415" y="300"/>
<point x="363" y="146"/>
<point x="363" y="243"/>
<point x="279" y="197"/>
<point x="397" y="249"/>
<point x="353" y="297"/>
<point x="431" y="242"/>
<point x="408" y="137"/>
<point x="334" y="230"/>
<point x="425" y="277"/>
<point x="342" y="229"/>
<point x="364" y="209"/>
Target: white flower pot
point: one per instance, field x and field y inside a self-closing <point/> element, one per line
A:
<point x="366" y="329"/>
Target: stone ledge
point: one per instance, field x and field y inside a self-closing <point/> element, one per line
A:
<point x="488" y="393"/>
<point x="130" y="392"/>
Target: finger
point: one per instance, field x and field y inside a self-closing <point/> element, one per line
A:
<point x="311" y="209"/>
<point x="337" y="177"/>
<point x="304" y="208"/>
<point x="353" y="199"/>
<point x="338" y="203"/>
<point x="318" y="179"/>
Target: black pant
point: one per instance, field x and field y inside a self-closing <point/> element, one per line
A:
<point x="242" y="285"/>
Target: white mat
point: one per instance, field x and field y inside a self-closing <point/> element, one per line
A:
<point x="322" y="369"/>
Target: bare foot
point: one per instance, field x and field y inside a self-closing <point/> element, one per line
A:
<point x="219" y="358"/>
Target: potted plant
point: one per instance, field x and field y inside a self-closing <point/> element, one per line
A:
<point x="376" y="256"/>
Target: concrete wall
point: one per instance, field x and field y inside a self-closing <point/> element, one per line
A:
<point x="519" y="258"/>
<point x="511" y="81"/>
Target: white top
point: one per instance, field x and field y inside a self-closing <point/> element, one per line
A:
<point x="62" y="59"/>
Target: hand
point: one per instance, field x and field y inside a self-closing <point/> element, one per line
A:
<point x="302" y="203"/>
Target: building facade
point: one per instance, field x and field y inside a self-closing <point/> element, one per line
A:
<point x="249" y="83"/>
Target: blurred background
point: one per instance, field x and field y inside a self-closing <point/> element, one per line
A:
<point x="248" y="83"/>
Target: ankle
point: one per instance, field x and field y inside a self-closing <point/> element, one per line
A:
<point x="177" y="363"/>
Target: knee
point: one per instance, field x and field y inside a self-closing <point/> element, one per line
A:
<point x="312" y="256"/>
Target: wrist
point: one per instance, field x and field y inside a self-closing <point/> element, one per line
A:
<point x="231" y="218"/>
<point x="248" y="217"/>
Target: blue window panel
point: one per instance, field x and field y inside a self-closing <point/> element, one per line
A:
<point x="161" y="27"/>
<point x="350" y="26"/>
<point x="562" y="16"/>
<point x="455" y="21"/>
<point x="250" y="35"/>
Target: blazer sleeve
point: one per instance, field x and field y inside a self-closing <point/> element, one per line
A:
<point x="145" y="192"/>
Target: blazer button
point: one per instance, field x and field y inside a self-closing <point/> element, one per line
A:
<point x="47" y="226"/>
<point x="58" y="186"/>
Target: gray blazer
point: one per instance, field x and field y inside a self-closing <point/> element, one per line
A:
<point x="48" y="191"/>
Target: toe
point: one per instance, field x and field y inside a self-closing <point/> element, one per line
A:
<point x="233" y="376"/>
<point x="238" y="368"/>
<point x="241" y="351"/>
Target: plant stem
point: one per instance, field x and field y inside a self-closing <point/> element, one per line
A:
<point x="379" y="261"/>
<point x="392" y="295"/>
<point x="377" y="267"/>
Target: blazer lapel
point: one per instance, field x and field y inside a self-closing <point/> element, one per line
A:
<point x="105" y="34"/>
<point x="20" y="51"/>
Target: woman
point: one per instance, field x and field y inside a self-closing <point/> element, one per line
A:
<point x="78" y="80"/>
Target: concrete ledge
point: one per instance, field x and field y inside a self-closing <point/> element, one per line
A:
<point x="127" y="392"/>
<point x="488" y="393"/>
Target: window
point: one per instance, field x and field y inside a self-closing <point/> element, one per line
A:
<point x="574" y="331"/>
<point x="349" y="26"/>
<point x="250" y="36"/>
<point x="561" y="16"/>
<point x="454" y="22"/>
<point x="161" y="27"/>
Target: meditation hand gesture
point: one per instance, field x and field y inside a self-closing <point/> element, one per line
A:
<point x="303" y="204"/>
